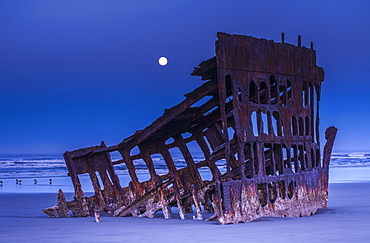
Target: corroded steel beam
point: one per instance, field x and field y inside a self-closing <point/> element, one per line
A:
<point x="257" y="115"/>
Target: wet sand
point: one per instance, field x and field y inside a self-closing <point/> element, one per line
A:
<point x="346" y="220"/>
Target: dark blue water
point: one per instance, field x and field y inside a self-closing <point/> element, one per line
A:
<point x="45" y="165"/>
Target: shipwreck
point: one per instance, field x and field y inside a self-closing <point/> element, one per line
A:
<point x="257" y="113"/>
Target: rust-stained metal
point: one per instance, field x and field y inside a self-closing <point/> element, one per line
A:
<point x="257" y="113"/>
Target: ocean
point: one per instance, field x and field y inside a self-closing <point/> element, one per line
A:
<point x="52" y="165"/>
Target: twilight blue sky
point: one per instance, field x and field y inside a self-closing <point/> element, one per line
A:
<point x="74" y="73"/>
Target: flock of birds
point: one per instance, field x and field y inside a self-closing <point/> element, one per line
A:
<point x="19" y="182"/>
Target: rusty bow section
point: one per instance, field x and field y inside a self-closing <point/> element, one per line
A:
<point x="257" y="114"/>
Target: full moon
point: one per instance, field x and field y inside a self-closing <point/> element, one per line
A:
<point x="162" y="61"/>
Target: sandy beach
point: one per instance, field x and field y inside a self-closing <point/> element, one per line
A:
<point x="346" y="220"/>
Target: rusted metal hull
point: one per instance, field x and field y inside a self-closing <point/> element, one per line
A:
<point x="258" y="113"/>
<point x="278" y="196"/>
